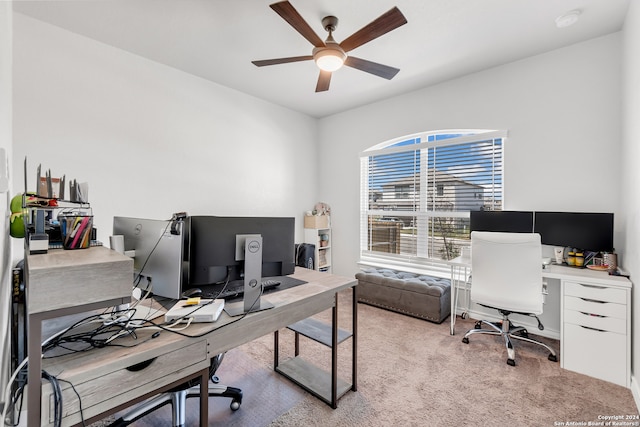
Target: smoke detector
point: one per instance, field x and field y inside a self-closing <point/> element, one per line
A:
<point x="568" y="18"/>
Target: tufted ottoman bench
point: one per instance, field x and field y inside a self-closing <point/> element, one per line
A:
<point x="417" y="295"/>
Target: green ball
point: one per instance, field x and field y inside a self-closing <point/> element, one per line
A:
<point x="16" y="227"/>
<point x="16" y="203"/>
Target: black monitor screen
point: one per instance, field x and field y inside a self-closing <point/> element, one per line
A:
<point x="502" y="221"/>
<point x="587" y="231"/>
<point x="212" y="247"/>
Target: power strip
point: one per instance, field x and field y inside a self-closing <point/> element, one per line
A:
<point x="206" y="311"/>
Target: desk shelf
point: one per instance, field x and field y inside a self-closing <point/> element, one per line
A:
<point x="318" y="331"/>
<point x="313" y="379"/>
<point x="324" y="385"/>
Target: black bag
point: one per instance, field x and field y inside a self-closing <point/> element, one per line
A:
<point x="305" y="253"/>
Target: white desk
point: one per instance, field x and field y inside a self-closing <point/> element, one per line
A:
<point x="595" y="318"/>
<point x="460" y="276"/>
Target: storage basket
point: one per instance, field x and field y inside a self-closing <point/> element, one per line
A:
<point x="316" y="221"/>
<point x="75" y="228"/>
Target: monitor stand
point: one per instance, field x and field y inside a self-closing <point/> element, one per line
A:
<point x="249" y="249"/>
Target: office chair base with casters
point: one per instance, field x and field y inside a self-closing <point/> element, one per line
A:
<point x="508" y="331"/>
<point x="177" y="397"/>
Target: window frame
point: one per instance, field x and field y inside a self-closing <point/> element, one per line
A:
<point x="421" y="143"/>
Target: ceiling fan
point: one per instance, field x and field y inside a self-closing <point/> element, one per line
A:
<point x="330" y="55"/>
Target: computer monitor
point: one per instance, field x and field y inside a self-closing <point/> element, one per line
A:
<point x="501" y="221"/>
<point x="159" y="253"/>
<point x="215" y="242"/>
<point x="582" y="230"/>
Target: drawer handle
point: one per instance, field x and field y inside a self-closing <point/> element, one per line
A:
<point x="592" y="286"/>
<point x="593" y="300"/>
<point x="593" y="329"/>
<point x="140" y="366"/>
<point x="592" y="314"/>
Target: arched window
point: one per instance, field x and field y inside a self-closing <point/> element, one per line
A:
<point x="417" y="192"/>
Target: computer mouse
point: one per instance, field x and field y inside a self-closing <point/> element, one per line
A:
<point x="192" y="293"/>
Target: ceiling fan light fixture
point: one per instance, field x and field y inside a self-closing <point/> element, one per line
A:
<point x="329" y="58"/>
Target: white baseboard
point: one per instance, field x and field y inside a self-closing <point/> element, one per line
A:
<point x="635" y="391"/>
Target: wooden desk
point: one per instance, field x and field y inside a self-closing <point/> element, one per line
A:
<point x="64" y="282"/>
<point x="105" y="385"/>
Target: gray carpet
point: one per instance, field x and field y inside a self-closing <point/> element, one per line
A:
<point x="412" y="372"/>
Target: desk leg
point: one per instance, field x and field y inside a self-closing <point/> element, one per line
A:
<point x="204" y="398"/>
<point x="276" y="343"/>
<point x="454" y="301"/>
<point x="334" y="353"/>
<point x="34" y="370"/>
<point x="354" y="331"/>
<point x="458" y="276"/>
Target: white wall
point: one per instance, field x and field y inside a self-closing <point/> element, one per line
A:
<point x="562" y="110"/>
<point x="151" y="140"/>
<point x="5" y="143"/>
<point x="630" y="181"/>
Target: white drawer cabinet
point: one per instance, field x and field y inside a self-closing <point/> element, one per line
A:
<point x="597" y="353"/>
<point x="595" y="292"/>
<point x="595" y="332"/>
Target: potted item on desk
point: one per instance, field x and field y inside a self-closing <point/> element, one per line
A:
<point x="610" y="259"/>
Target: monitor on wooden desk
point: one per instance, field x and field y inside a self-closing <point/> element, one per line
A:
<point x="251" y="249"/>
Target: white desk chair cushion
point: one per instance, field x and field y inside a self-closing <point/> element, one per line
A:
<point x="505" y="276"/>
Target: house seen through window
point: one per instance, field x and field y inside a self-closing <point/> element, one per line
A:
<point x="417" y="192"/>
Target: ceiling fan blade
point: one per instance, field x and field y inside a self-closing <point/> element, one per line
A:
<point x="379" y="70"/>
<point x="380" y="26"/>
<point x="263" y="62"/>
<point x="323" y="81"/>
<point x="291" y="15"/>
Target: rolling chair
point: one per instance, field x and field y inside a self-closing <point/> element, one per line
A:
<point x="506" y="275"/>
<point x="177" y="397"/>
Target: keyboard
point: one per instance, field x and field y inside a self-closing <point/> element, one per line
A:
<point x="235" y="289"/>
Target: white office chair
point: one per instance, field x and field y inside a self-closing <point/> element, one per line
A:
<point x="506" y="274"/>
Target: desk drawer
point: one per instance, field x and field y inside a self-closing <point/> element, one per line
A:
<point x="595" y="292"/>
<point x="122" y="385"/>
<point x="601" y="323"/>
<point x="600" y="354"/>
<point x="608" y="309"/>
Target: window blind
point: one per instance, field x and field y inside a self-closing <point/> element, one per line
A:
<point x="417" y="192"/>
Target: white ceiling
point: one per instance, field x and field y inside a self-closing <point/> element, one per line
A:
<point x="218" y="39"/>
